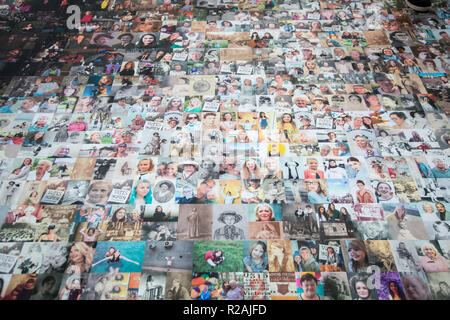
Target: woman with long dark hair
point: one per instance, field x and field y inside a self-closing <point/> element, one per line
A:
<point x="362" y="289"/>
<point x="321" y="211"/>
<point x="147" y="40"/>
<point x="359" y="260"/>
<point x="120" y="215"/>
<point x="333" y="214"/>
<point x="395" y="292"/>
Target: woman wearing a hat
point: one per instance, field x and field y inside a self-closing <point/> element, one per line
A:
<point x="319" y="104"/>
<point x="172" y="124"/>
<point x="164" y="191"/>
<point x="126" y="41"/>
<point x="229" y="231"/>
<point x="189" y="175"/>
<point x="306" y="123"/>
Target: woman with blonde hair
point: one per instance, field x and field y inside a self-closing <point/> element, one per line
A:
<point x="105" y="81"/>
<point x="193" y="105"/>
<point x="272" y="169"/>
<point x="135" y="216"/>
<point x="416" y="287"/>
<point x="146" y="169"/>
<point x="310" y="68"/>
<point x="250" y="170"/>
<point x="255" y="261"/>
<point x="127" y="69"/>
<point x="276" y="149"/>
<point x="287" y="122"/>
<point x="428" y="212"/>
<point x="175" y="104"/>
<point x="264" y="212"/>
<point x="432" y="261"/>
<point x="80" y="258"/>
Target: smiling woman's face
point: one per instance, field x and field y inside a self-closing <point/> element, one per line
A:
<point x="313" y="186"/>
<point x="264" y="213"/>
<point x="384" y="188"/>
<point x="362" y="290"/>
<point x="396" y="119"/>
<point x="429" y="252"/>
<point x="251" y="164"/>
<point x="142" y="189"/>
<point x="120" y="214"/>
<point x="361" y="142"/>
<point x="147" y="39"/>
<point x="358" y="254"/>
<point x="144" y="165"/>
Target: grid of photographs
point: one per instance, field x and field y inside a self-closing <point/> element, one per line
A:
<point x="224" y="150"/>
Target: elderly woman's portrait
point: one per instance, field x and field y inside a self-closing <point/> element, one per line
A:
<point x="164" y="191"/>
